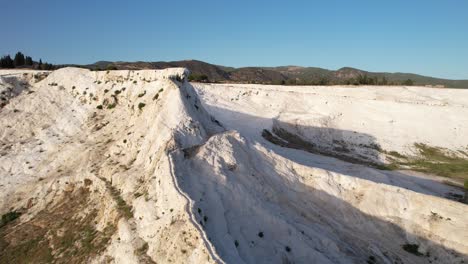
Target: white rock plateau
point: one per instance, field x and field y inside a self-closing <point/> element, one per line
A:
<point x="144" y="167"/>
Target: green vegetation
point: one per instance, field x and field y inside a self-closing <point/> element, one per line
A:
<point x="110" y="106"/>
<point x="69" y="234"/>
<point x="19" y="59"/>
<point x="439" y="161"/>
<point x="141" y="105"/>
<point x="408" y="82"/>
<point x="22" y="61"/>
<point x="198" y="78"/>
<point x="371" y="260"/>
<point x="124" y="209"/>
<point x="412" y="248"/>
<point x="292" y="75"/>
<point x="9" y="217"/>
<point x="142" y="250"/>
<point x="111" y="67"/>
<point x="6" y="62"/>
<point x="396" y="154"/>
<point x="99" y="107"/>
<point x="434" y="160"/>
<point x="176" y="77"/>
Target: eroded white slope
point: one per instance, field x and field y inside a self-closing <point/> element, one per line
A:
<point x="104" y="137"/>
<point x="392" y="117"/>
<point x="278" y="211"/>
<point x="355" y="121"/>
<point x="383" y="209"/>
<point x="154" y="177"/>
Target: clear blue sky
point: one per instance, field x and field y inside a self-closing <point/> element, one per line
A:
<point x="428" y="37"/>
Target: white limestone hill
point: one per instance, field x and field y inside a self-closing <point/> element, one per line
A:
<point x="144" y="167"/>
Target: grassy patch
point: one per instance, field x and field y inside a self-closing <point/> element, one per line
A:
<point x="396" y="154"/>
<point x="435" y="160"/>
<point x="124" y="209"/>
<point x="63" y="233"/>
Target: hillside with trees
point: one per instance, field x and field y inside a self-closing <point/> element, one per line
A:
<point x="22" y="61"/>
<point x="284" y="75"/>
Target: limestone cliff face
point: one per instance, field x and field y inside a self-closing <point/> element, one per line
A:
<point x="90" y="152"/>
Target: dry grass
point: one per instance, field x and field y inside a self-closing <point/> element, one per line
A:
<point x="66" y="231"/>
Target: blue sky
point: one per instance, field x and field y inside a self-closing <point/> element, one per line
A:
<point x="428" y="37"/>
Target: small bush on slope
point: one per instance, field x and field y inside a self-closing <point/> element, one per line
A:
<point x="9" y="217"/>
<point x="412" y="248"/>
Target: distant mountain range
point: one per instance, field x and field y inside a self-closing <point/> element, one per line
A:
<point x="289" y="75"/>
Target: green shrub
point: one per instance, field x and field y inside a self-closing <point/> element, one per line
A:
<point x="111" y="106"/>
<point x="141" y="105"/>
<point x="99" y="107"/>
<point x="371" y="260"/>
<point x="9" y="217"/>
<point x="176" y="78"/>
<point x="412" y="248"/>
<point x="111" y="67"/>
<point x="198" y="78"/>
<point x="408" y="82"/>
